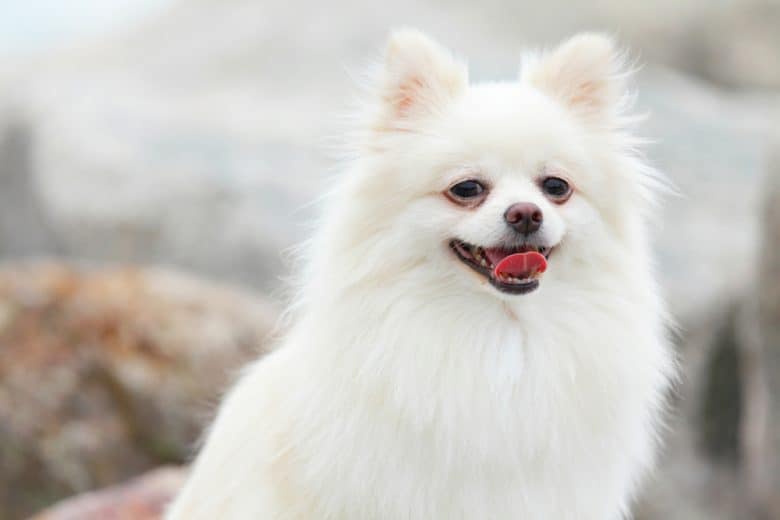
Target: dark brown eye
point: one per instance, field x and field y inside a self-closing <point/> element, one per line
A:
<point x="467" y="190"/>
<point x="557" y="189"/>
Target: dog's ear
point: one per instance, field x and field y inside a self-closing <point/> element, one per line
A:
<point x="586" y="73"/>
<point x="418" y="78"/>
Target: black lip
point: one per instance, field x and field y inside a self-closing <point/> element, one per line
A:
<point x="522" y="288"/>
<point x="508" y="288"/>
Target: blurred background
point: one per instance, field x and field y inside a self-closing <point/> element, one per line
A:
<point x="157" y="157"/>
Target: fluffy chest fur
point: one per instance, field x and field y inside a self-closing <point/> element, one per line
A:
<point x="422" y="414"/>
<point x="473" y="413"/>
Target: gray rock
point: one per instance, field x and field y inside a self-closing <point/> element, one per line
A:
<point x="767" y="459"/>
<point x="722" y="456"/>
<point x="23" y="227"/>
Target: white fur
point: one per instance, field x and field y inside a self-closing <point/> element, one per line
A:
<point x="407" y="387"/>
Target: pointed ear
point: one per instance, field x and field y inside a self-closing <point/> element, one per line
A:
<point x="585" y="73"/>
<point x="418" y="78"/>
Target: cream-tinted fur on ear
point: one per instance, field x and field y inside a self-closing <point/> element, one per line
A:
<point x="406" y="388"/>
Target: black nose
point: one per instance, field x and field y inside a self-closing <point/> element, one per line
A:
<point x="524" y="217"/>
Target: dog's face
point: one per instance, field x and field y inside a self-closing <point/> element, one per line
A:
<point x="513" y="192"/>
<point x="502" y="185"/>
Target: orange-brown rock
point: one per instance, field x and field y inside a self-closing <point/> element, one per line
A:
<point x="105" y="374"/>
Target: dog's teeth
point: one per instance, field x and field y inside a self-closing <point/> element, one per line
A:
<point x="482" y="262"/>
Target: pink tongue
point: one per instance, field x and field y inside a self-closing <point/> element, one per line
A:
<point x="521" y="265"/>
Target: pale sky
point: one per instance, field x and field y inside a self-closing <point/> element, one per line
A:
<point x="35" y="25"/>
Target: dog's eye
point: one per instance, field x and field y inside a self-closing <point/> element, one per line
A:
<point x="556" y="189"/>
<point x="467" y="189"/>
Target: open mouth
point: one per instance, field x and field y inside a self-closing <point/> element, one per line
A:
<point x="511" y="270"/>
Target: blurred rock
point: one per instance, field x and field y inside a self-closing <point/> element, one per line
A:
<point x="769" y="319"/>
<point x="23" y="227"/>
<point x="722" y="458"/>
<point x="702" y="472"/>
<point x="736" y="44"/>
<point x="143" y="498"/>
<point x="699" y="472"/>
<point x="107" y="373"/>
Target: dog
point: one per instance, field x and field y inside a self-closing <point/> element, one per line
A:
<point x="478" y="333"/>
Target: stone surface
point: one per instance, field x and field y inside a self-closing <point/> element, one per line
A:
<point x="107" y="373"/>
<point x="698" y="477"/>
<point x="722" y="457"/>
<point x="735" y="44"/>
<point x="142" y="498"/>
<point x="767" y="463"/>
<point x="23" y="226"/>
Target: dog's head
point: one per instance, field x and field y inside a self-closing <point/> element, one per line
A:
<point x="495" y="184"/>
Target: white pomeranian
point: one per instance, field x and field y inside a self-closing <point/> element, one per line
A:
<point x="479" y="334"/>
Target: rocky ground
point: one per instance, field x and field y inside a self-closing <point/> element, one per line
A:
<point x="142" y="498"/>
<point x="106" y="373"/>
